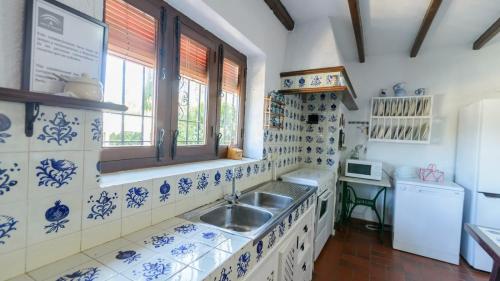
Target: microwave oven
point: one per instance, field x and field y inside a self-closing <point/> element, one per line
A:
<point x="364" y="169"/>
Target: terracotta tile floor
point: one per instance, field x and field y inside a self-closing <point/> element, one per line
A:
<point x="355" y="253"/>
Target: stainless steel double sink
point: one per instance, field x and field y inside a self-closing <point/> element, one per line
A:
<point x="255" y="212"/>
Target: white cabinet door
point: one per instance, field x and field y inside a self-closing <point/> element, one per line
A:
<point x="267" y="269"/>
<point x="489" y="152"/>
<point x="288" y="259"/>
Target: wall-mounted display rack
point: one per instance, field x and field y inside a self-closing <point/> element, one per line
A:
<point x="401" y="119"/>
<point x="274" y="110"/>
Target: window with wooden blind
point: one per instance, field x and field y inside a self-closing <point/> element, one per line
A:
<point x="130" y="75"/>
<point x="184" y="88"/>
<point x="230" y="102"/>
<point x="193" y="92"/>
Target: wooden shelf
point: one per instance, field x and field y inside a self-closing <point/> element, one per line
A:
<point x="13" y="95"/>
<point x="348" y="95"/>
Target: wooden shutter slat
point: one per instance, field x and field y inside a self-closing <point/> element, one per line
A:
<point x="230" y="76"/>
<point x="193" y="59"/>
<point x="132" y="33"/>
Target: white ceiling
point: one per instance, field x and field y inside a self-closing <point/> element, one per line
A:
<point x="391" y="26"/>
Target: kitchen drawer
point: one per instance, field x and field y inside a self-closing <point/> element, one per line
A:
<point x="304" y="266"/>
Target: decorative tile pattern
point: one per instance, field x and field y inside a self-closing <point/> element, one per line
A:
<point x="57" y="128"/>
<point x="102" y="206"/>
<point x="160" y="240"/>
<point x="8" y="179"/>
<point x="217" y="178"/>
<point x="5" y="125"/>
<point x="136" y="197"/>
<point x="184" y="185"/>
<point x="164" y="191"/>
<point x="243" y="264"/>
<point x="55" y="172"/>
<point x="7" y="226"/>
<point x="186" y="228"/>
<point x="12" y="137"/>
<point x="56" y="216"/>
<point x="128" y="257"/>
<point x="203" y="181"/>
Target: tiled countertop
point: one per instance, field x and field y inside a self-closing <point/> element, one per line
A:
<point x="172" y="250"/>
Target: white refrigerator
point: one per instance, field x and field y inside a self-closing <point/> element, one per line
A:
<point x="477" y="169"/>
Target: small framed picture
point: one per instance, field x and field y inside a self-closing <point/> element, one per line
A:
<point x="60" y="42"/>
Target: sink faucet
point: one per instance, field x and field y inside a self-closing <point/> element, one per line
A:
<point x="233" y="197"/>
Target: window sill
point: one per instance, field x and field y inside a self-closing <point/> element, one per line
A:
<point x="118" y="178"/>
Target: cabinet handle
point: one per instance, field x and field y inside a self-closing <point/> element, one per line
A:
<point x="304" y="267"/>
<point x="306" y="229"/>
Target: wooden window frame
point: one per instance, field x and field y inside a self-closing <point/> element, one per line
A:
<point x="115" y="159"/>
<point x="240" y="59"/>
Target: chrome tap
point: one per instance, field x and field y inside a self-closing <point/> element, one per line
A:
<point x="235" y="194"/>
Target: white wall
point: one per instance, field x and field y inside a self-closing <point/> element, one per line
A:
<point x="456" y="76"/>
<point x="11" y="44"/>
<point x="312" y="45"/>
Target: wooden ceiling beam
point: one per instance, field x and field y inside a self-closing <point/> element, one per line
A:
<point x="487" y="35"/>
<point x="358" y="28"/>
<point x="424" y="27"/>
<point x="281" y="13"/>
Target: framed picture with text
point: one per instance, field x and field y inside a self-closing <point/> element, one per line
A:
<point x="60" y="41"/>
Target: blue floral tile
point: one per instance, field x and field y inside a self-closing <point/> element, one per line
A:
<point x="57" y="129"/>
<point x="55" y="173"/>
<point x="225" y="273"/>
<point x="243" y="265"/>
<point x="101" y="206"/>
<point x="184" y="185"/>
<point x="217" y="178"/>
<point x="13" y="177"/>
<point x="209" y="236"/>
<point x="202" y="181"/>
<point x="5" y="125"/>
<point x="122" y="259"/>
<point x="164" y="191"/>
<point x="160" y="241"/>
<point x="229" y="175"/>
<point x="157" y="268"/>
<point x="54" y="216"/>
<point x="186" y="251"/>
<point x="93" y="130"/>
<point x="136" y="198"/>
<point x="91" y="271"/>
<point x="12" y="226"/>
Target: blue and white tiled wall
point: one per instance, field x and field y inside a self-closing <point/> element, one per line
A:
<point x="53" y="204"/>
<point x="286" y="143"/>
<point x="42" y="182"/>
<point x="301" y="144"/>
<point x="320" y="141"/>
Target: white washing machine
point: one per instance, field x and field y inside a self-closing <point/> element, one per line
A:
<point x="325" y="204"/>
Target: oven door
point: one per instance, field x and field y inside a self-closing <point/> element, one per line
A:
<point x="324" y="207"/>
<point x="324" y="221"/>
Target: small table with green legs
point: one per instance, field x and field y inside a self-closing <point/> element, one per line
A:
<point x="350" y="199"/>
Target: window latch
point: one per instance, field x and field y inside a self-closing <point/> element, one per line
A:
<point x="160" y="148"/>
<point x="217" y="142"/>
<point x="174" y="143"/>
